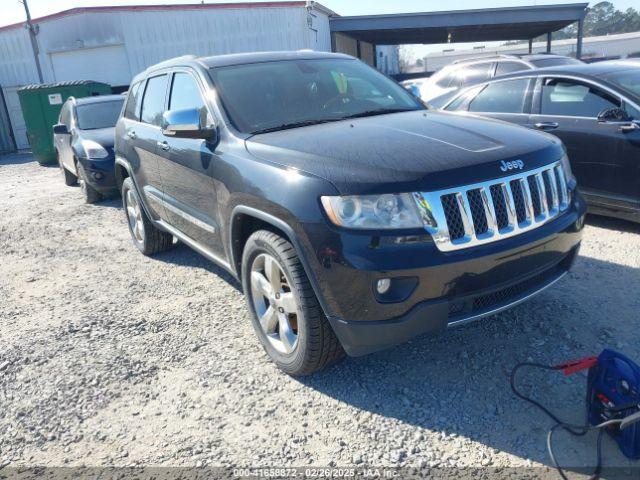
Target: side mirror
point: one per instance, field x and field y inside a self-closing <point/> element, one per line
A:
<point x="413" y="90"/>
<point x="614" y="115"/>
<point x="60" y="129"/>
<point x="187" y="123"/>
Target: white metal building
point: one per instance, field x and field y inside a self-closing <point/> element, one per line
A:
<point x="112" y="44"/>
<point x="617" y="45"/>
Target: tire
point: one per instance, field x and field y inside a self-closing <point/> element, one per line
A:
<point x="146" y="237"/>
<point x="91" y="195"/>
<point x="69" y="178"/>
<point x="316" y="345"/>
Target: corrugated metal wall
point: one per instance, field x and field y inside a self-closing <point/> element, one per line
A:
<point x="6" y="140"/>
<point x="148" y="37"/>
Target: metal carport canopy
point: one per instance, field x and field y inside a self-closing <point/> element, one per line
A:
<point x="488" y="24"/>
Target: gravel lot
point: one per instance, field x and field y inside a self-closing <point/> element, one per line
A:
<point x="112" y="358"/>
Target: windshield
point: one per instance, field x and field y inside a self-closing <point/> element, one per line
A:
<point x="92" y="116"/>
<point x="628" y="80"/>
<point x="284" y="94"/>
<point x="555" y="62"/>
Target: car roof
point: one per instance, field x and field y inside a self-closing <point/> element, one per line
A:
<point x="518" y="56"/>
<point x="243" y="59"/>
<point x="97" y="99"/>
<point x="598" y="69"/>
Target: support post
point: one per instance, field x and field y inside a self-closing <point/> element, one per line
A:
<point x="579" y="43"/>
<point x="530" y="46"/>
<point x="549" y="42"/>
<point x="34" y="41"/>
<point x="333" y="42"/>
<point x="358" y="49"/>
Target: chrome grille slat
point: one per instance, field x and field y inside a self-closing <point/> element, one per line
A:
<point x="543" y="196"/>
<point x="486" y="212"/>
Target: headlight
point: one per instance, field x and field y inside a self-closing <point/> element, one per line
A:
<point x="94" y="149"/>
<point x="387" y="211"/>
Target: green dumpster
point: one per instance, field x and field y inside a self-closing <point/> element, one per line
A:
<point x="41" y="106"/>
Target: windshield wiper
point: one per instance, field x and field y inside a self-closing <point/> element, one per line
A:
<point x="287" y="126"/>
<point x="380" y="111"/>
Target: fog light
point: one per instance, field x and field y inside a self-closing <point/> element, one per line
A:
<point x="97" y="175"/>
<point x="383" y="285"/>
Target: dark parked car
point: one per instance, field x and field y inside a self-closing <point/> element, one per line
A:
<point x="83" y="139"/>
<point x="354" y="218"/>
<point x="594" y="109"/>
<point x="442" y="85"/>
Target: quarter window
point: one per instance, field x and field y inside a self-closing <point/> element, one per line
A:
<point x="153" y="102"/>
<point x="133" y="102"/>
<point x="501" y="97"/>
<point x="574" y="99"/>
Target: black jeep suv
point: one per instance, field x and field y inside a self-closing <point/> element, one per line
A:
<point x="354" y="218"/>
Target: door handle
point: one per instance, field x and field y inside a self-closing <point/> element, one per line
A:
<point x="629" y="128"/>
<point x="164" y="146"/>
<point x="546" y="125"/>
<point x="132" y="135"/>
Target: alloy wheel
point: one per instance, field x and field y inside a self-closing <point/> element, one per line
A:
<point x="134" y="215"/>
<point x="274" y="303"/>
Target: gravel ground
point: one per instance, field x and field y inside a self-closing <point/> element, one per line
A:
<point x="110" y="358"/>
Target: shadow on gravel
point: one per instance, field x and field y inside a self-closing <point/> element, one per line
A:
<point x="613" y="223"/>
<point x="184" y="256"/>
<point x="457" y="383"/>
<point x="18" y="158"/>
<point x="111" y="202"/>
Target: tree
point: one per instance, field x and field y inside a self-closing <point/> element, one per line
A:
<point x="602" y="19"/>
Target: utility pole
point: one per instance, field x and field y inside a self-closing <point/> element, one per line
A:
<point x="33" y="31"/>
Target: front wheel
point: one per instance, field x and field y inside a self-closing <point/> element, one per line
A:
<point x="146" y="237"/>
<point x="69" y="178"/>
<point x="91" y="195"/>
<point x="285" y="311"/>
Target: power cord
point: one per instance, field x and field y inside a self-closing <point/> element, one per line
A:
<point x="575" y="430"/>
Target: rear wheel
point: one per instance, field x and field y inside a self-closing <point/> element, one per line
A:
<point x="286" y="315"/>
<point x="91" y="195"/>
<point x="69" y="178"/>
<point x="146" y="237"/>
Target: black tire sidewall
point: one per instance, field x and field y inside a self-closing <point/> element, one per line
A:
<point x="126" y="186"/>
<point x="295" y="361"/>
<point x="91" y="195"/>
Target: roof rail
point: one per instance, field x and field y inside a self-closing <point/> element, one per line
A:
<point x="485" y="57"/>
<point x="171" y="61"/>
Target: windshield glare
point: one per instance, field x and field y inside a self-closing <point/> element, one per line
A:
<point x="92" y="116"/>
<point x="628" y="80"/>
<point x="270" y="95"/>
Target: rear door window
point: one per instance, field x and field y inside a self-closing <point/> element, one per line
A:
<point x="508" y="96"/>
<point x="154" y="100"/>
<point x="571" y="98"/>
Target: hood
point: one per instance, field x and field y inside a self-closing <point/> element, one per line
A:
<point x="103" y="136"/>
<point x="406" y="152"/>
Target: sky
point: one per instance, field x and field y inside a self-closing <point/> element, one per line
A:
<point x="13" y="10"/>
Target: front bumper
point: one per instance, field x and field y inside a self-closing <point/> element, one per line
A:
<point x="451" y="288"/>
<point x="101" y="174"/>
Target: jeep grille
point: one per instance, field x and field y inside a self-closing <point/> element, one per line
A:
<point x="489" y="211"/>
